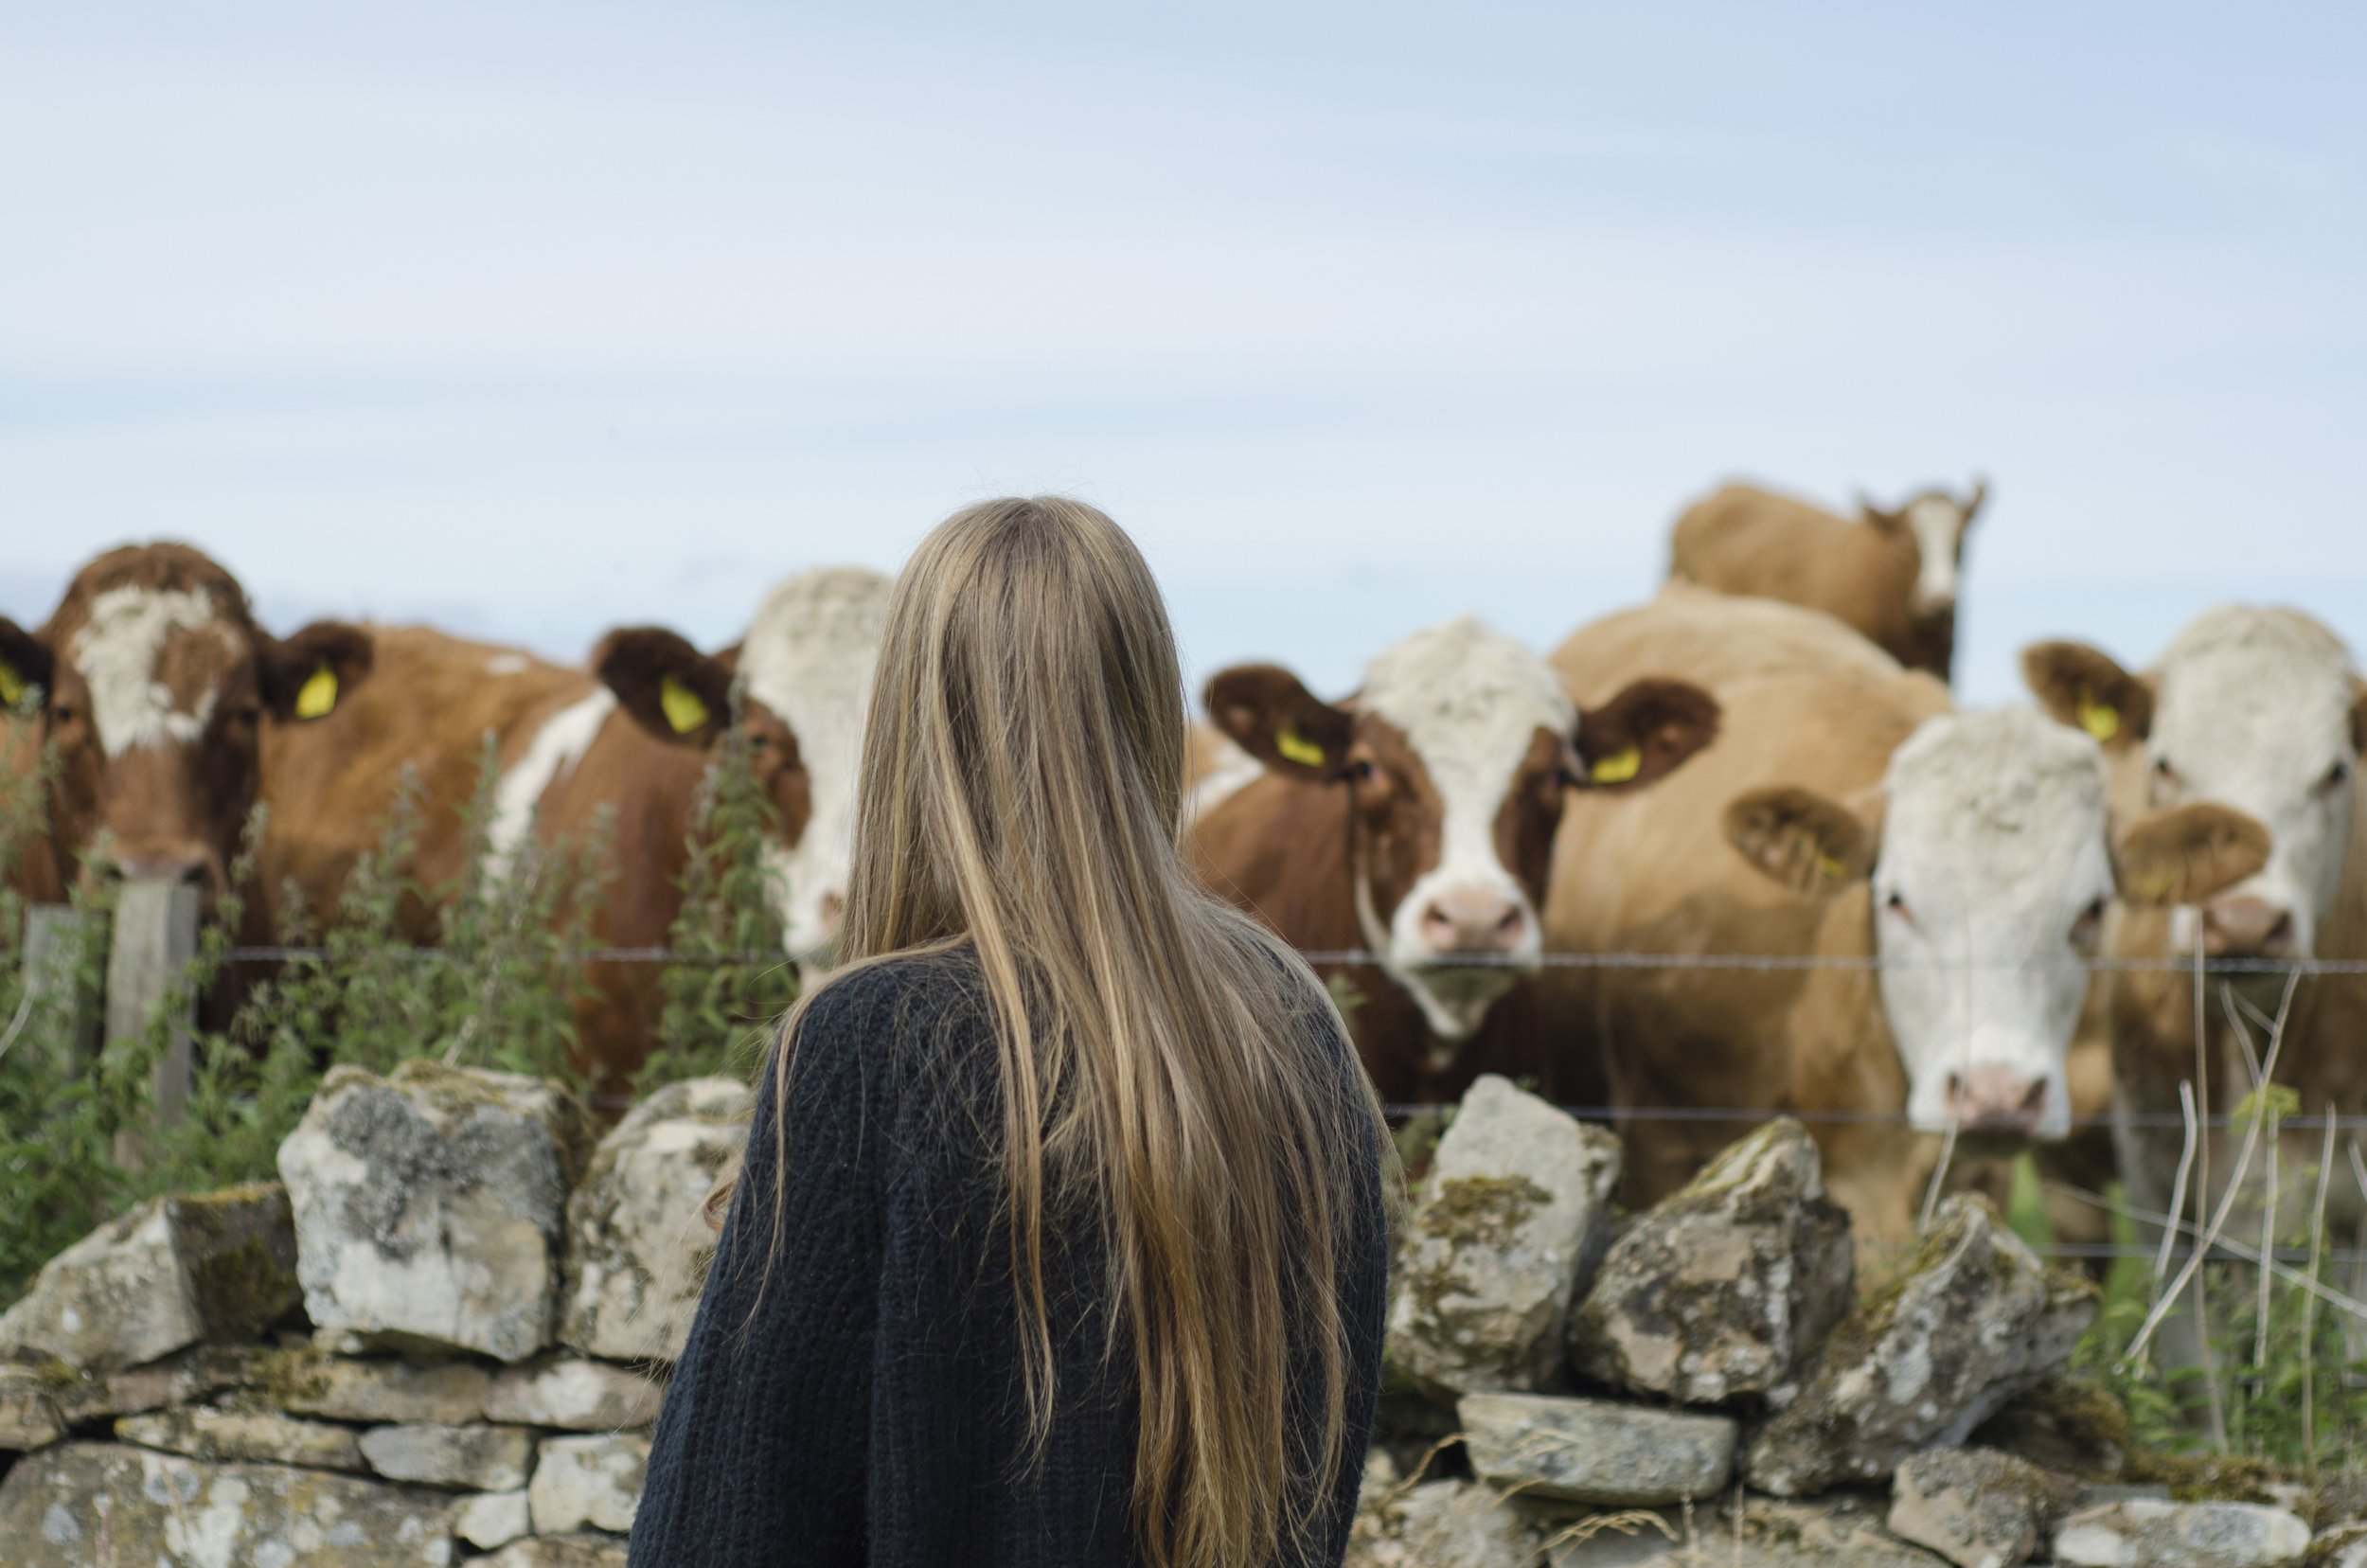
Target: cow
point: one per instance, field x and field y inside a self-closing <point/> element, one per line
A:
<point x="1414" y="821"/>
<point x="2262" y="711"/>
<point x="159" y="695"/>
<point x="1847" y="814"/>
<point x="1892" y="575"/>
<point x="627" y="741"/>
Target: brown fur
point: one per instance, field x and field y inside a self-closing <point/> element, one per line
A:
<point x="430" y="709"/>
<point x="1747" y="541"/>
<point x="1806" y="703"/>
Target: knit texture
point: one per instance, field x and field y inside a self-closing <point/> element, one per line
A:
<point x="862" y="1404"/>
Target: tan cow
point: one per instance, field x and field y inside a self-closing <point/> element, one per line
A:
<point x="1414" y="821"/>
<point x="2263" y="711"/>
<point x="160" y="693"/>
<point x="633" y="736"/>
<point x="1846" y="814"/>
<point x="1890" y="575"/>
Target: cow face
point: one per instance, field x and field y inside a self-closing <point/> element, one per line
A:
<point x="1454" y="759"/>
<point x="809" y="657"/>
<point x="684" y="698"/>
<point x="156" y="683"/>
<point x="1989" y="863"/>
<point x="2258" y="711"/>
<point x="1936" y="522"/>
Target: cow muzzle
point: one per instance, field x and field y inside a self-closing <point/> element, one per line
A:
<point x="2246" y="926"/>
<point x="1991" y="1101"/>
<point x="1474" y="921"/>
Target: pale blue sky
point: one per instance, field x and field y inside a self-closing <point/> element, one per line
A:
<point x="531" y="318"/>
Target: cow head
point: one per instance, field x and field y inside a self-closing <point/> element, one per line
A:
<point x="157" y="683"/>
<point x="684" y="698"/>
<point x="1990" y="861"/>
<point x="1453" y="758"/>
<point x="2258" y="711"/>
<point x="1935" y="523"/>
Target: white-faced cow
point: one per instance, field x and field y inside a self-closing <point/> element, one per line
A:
<point x="1414" y="821"/>
<point x="1893" y="575"/>
<point x="158" y="692"/>
<point x="1846" y="814"/>
<point x="629" y="742"/>
<point x="2262" y="711"/>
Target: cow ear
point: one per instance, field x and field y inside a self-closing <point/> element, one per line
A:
<point x="2081" y="686"/>
<point x="671" y="689"/>
<point x="2186" y="854"/>
<point x="1269" y="714"/>
<point x="1643" y="734"/>
<point x="1809" y="843"/>
<point x="24" y="663"/>
<point x="306" y="675"/>
<point x="1886" y="521"/>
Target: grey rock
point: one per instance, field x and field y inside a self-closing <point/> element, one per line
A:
<point x="491" y="1518"/>
<point x="581" y="1482"/>
<point x="84" y="1398"/>
<point x="1512" y="1217"/>
<point x="565" y="1551"/>
<point x="575" y="1394"/>
<point x="378" y="1390"/>
<point x="1592" y="1450"/>
<point x="480" y="1458"/>
<point x="1977" y="1508"/>
<point x="1974" y="1320"/>
<point x="254" y="1437"/>
<point x="1718" y="1290"/>
<point x="171" y="1273"/>
<point x="430" y="1206"/>
<point x="29" y="1415"/>
<point x="2141" y="1534"/>
<point x="81" y="1503"/>
<point x="638" y="1248"/>
<point x="1442" y="1524"/>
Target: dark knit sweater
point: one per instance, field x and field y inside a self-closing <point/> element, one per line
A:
<point x="863" y="1407"/>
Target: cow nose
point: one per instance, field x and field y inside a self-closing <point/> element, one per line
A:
<point x="174" y="868"/>
<point x="1996" y="1100"/>
<point x="2246" y="927"/>
<point x="1469" y="920"/>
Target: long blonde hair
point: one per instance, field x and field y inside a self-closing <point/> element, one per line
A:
<point x="1022" y="791"/>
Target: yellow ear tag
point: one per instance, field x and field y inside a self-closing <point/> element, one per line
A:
<point x="1618" y="766"/>
<point x="2101" y="719"/>
<point x="1298" y="748"/>
<point x="683" y="709"/>
<point x="11" y="685"/>
<point x="317" y="695"/>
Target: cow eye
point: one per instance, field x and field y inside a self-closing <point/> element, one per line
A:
<point x="1362" y="770"/>
<point x="61" y="713"/>
<point x="2336" y="776"/>
<point x="2163" y="770"/>
<point x="1896" y="904"/>
<point x="2089" y="925"/>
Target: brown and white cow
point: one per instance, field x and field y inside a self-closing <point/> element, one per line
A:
<point x="1893" y="575"/>
<point x="1416" y="821"/>
<point x="2263" y="711"/>
<point x="630" y="740"/>
<point x="159" y="695"/>
<point x="1847" y="814"/>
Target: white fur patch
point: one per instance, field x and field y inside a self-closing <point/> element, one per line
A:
<point x="810" y="657"/>
<point x="116" y="655"/>
<point x="556" y="748"/>
<point x="2252" y="710"/>
<point x="1938" y="527"/>
<point x="1469" y="701"/>
<point x="1993" y="834"/>
<point x="508" y="663"/>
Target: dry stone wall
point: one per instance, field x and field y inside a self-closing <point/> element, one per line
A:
<point x="442" y="1338"/>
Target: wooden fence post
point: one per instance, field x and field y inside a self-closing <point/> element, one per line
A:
<point x="53" y="954"/>
<point x="155" y="938"/>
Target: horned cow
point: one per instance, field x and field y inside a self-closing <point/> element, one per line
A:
<point x="1847" y="814"/>
<point x="1891" y="574"/>
<point x="1416" y="821"/>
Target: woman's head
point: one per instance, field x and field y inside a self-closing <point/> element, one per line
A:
<point x="1026" y="743"/>
<point x="1162" y="1060"/>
